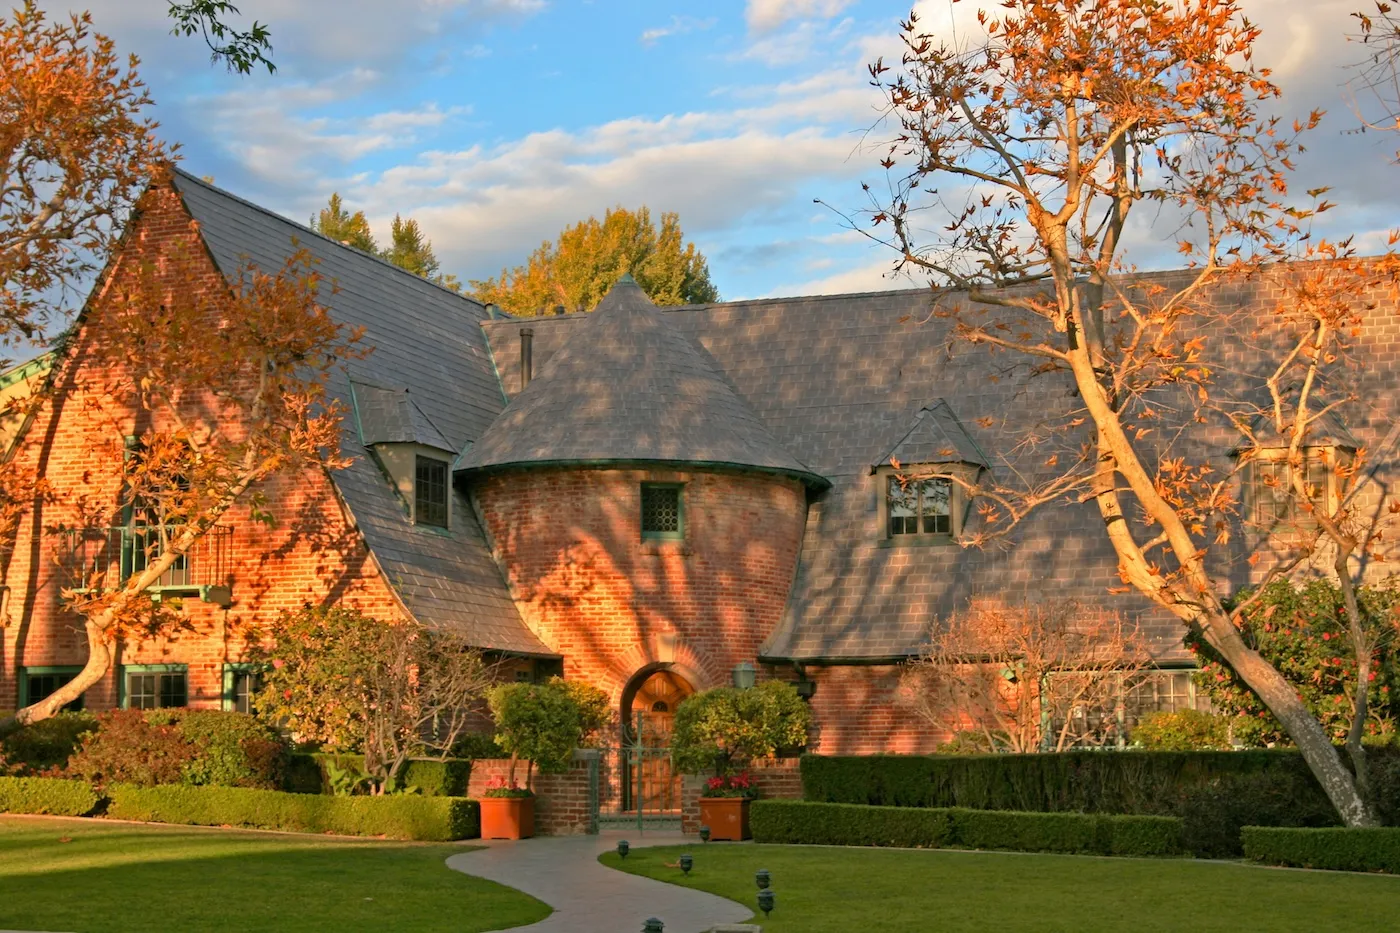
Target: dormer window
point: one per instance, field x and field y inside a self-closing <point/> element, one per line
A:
<point x="919" y="506"/>
<point x="1269" y="496"/>
<point x="430" y="492"/>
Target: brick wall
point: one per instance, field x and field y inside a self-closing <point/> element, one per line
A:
<point x="562" y="805"/>
<point x="585" y="581"/>
<point x="860" y="711"/>
<point x="780" y="778"/>
<point x="312" y="555"/>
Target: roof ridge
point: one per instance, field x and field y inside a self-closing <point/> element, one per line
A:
<point x="224" y="192"/>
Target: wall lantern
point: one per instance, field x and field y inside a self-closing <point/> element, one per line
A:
<point x="745" y="675"/>
<point x="805" y="687"/>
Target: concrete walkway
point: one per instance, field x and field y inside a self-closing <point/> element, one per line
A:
<point x="563" y="871"/>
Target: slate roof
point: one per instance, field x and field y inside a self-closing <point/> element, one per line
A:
<point x="630" y="388"/>
<point x="843" y="381"/>
<point x="391" y="416"/>
<point x="429" y="352"/>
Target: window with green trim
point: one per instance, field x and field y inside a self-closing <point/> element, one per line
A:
<point x="241" y="682"/>
<point x="430" y="492"/>
<point x="663" y="511"/>
<point x="154" y="686"/>
<point x="38" y="683"/>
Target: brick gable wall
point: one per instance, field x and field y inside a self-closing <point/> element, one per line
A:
<point x="312" y="554"/>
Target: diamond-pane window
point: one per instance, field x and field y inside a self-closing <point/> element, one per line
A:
<point x="661" y="511"/>
<point x="430" y="492"/>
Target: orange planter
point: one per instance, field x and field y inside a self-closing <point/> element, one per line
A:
<point x="509" y="817"/>
<point x="727" y="817"/>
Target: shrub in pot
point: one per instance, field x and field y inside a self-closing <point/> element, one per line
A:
<point x="540" y="724"/>
<point x="725" y="729"/>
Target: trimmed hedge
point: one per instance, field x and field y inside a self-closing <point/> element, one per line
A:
<point x="47" y="795"/>
<point x="801" y="822"/>
<point x="1065" y="782"/>
<point x="311" y="774"/>
<point x="1337" y="848"/>
<point x="436" y="819"/>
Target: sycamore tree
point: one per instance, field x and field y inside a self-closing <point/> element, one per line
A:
<point x="588" y="258"/>
<point x="196" y="391"/>
<point x="1017" y="160"/>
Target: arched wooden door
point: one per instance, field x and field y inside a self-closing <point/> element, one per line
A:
<point x="648" y="718"/>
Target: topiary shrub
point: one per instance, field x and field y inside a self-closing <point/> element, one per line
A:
<point x="725" y="728"/>
<point x="1335" y="848"/>
<point x="541" y="724"/>
<point x="47" y="744"/>
<point x="1186" y="730"/>
<point x="47" y="795"/>
<point x="797" y="822"/>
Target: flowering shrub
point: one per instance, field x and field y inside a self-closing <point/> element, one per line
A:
<point x="1302" y="631"/>
<point x="731" y="785"/>
<point x="500" y="787"/>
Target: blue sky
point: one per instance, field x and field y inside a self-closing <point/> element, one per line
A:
<point x="497" y="122"/>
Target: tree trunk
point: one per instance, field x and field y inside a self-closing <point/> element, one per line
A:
<point x="1283" y="701"/>
<point x="99" y="661"/>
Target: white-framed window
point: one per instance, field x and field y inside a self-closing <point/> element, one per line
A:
<point x="921" y="504"/>
<point x="1270" y="500"/>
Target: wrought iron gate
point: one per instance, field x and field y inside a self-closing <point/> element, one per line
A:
<point x="636" y="783"/>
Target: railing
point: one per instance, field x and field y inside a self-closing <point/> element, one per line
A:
<point x="105" y="558"/>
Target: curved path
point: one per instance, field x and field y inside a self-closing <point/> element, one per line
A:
<point x="563" y="871"/>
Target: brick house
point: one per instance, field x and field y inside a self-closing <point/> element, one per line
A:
<point x="647" y="499"/>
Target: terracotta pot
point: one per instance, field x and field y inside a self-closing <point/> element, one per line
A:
<point x="509" y="817"/>
<point x="727" y="817"/>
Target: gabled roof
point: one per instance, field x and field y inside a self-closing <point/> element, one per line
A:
<point x="631" y="388"/>
<point x="390" y="416"/>
<point x="427" y="342"/>
<point x="1325" y="431"/>
<point x="936" y="436"/>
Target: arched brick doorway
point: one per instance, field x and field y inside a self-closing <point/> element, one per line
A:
<point x="648" y="713"/>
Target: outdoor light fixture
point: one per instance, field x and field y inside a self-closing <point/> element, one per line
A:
<point x="622" y="847"/>
<point x="765" y="901"/>
<point x="653" y="925"/>
<point x="704" y="834"/>
<point x="687" y="863"/>
<point x="745" y="675"/>
<point x="805" y="688"/>
<point x="761" y="878"/>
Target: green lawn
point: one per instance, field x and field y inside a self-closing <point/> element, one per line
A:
<point x="94" y="877"/>
<point x="826" y="890"/>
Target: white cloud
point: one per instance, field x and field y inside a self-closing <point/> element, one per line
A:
<point x="679" y="25"/>
<point x="767" y="15"/>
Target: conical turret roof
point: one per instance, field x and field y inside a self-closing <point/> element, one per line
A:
<point x="630" y="388"/>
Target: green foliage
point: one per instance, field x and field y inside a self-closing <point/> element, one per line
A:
<point x="395" y="817"/>
<point x="129" y="748"/>
<point x="47" y="795"/>
<point x="1186" y="730"/>
<point x="594" y="708"/>
<point x="336" y="221"/>
<point x="409" y="249"/>
<point x="179" y="746"/>
<point x="792" y="821"/>
<point x="588" y="258"/>
<point x="477" y="745"/>
<point x="346" y="775"/>
<point x="1334" y="848"/>
<point x="727" y="726"/>
<point x="48" y="743"/>
<point x="1214" y="812"/>
<point x="1302" y="631"/>
<point x="240" y="51"/>
<point x="540" y="723"/>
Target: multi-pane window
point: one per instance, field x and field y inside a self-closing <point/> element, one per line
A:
<point x="241" y="684"/>
<point x="1270" y="490"/>
<point x="1164" y="692"/>
<point x="919" y="506"/>
<point x="42" y="683"/>
<point x="147" y="689"/>
<point x="430" y="492"/>
<point x="661" y="511"/>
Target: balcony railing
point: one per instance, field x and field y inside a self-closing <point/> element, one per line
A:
<point x="105" y="558"/>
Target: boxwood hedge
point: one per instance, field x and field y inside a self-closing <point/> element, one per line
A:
<point x="47" y="795"/>
<point x="794" y="821"/>
<point x="397" y="817"/>
<point x="1334" y="847"/>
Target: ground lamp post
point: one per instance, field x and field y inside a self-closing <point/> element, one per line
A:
<point x="687" y="863"/>
<point x="762" y="878"/>
<point x="653" y="925"/>
<point x="622" y="848"/>
<point x="765" y="901"/>
<point x="704" y="834"/>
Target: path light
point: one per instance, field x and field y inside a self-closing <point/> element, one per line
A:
<point x="762" y="878"/>
<point x="704" y="834"/>
<point x="653" y="925"/>
<point x="745" y="675"/>
<point x="687" y="863"/>
<point x="622" y="848"/>
<point x="765" y="901"/>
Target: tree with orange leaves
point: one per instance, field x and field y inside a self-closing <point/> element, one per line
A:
<point x="201" y="392"/>
<point x="1015" y="164"/>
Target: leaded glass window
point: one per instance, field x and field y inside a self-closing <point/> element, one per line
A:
<point x="1270" y="490"/>
<point x="661" y="511"/>
<point x="430" y="492"/>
